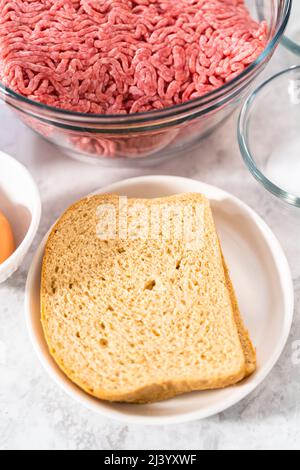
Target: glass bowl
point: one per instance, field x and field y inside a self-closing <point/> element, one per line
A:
<point x="148" y="138"/>
<point x="291" y="40"/>
<point x="269" y="135"/>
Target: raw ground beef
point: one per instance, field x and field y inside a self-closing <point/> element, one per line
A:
<point x="121" y="56"/>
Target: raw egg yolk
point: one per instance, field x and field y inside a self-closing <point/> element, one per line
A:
<point x="7" y="244"/>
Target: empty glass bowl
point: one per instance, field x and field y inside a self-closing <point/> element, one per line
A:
<point x="269" y="135"/>
<point x="291" y="39"/>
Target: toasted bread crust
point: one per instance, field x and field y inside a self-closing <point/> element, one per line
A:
<point x="248" y="348"/>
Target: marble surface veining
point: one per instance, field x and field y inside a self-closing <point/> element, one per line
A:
<point x="36" y="414"/>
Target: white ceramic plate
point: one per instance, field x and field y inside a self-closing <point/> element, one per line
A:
<point x="262" y="280"/>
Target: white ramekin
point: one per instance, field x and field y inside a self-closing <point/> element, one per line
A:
<point x="21" y="203"/>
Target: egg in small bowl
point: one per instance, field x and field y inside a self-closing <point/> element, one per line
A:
<point x="20" y="213"/>
<point x="7" y="242"/>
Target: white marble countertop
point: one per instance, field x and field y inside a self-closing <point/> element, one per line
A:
<point x="35" y="414"/>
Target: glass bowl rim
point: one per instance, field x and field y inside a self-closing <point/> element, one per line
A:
<point x="169" y="111"/>
<point x="291" y="45"/>
<point x="244" y="141"/>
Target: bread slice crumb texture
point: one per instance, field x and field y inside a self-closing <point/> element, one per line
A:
<point x="138" y="320"/>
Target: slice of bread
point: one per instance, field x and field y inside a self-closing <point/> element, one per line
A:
<point x="141" y="319"/>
